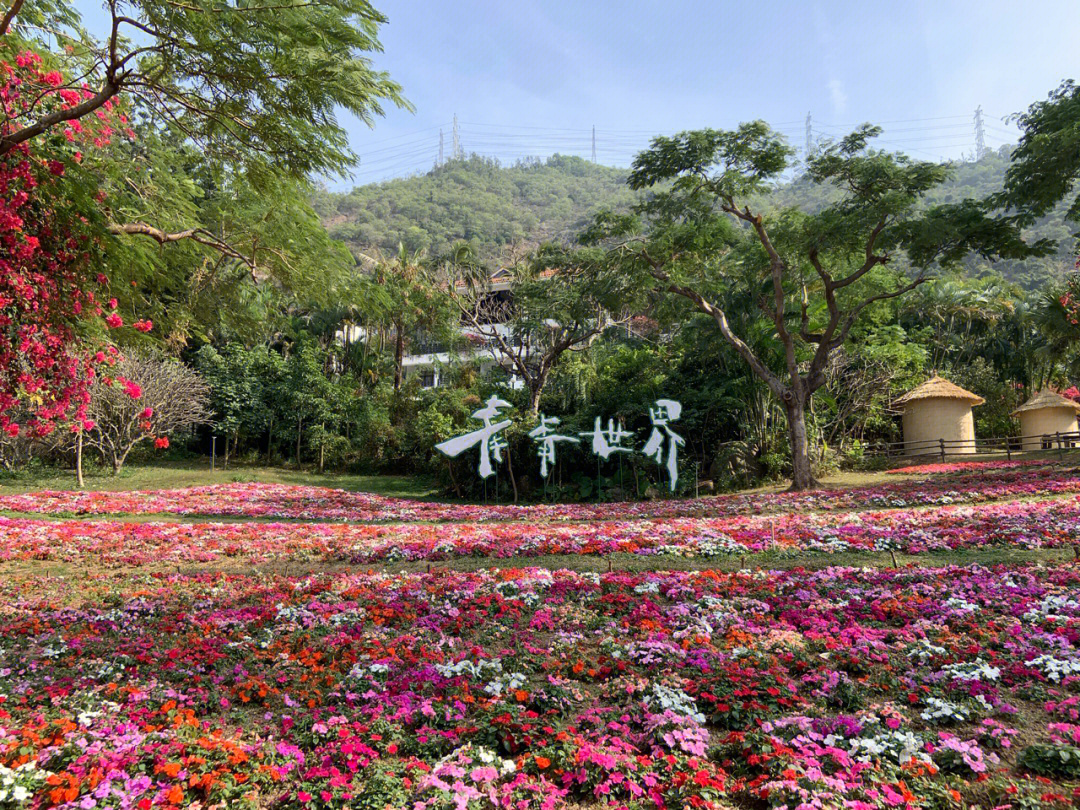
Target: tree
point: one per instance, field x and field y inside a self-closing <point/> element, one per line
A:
<point x="556" y="303"/>
<point x="237" y="391"/>
<point x="271" y="247"/>
<point x="252" y="86"/>
<point x="312" y="397"/>
<point x="253" y="83"/>
<point x="1046" y="162"/>
<point x="146" y="398"/>
<point x="252" y="89"/>
<point x="410" y="305"/>
<point x="812" y="274"/>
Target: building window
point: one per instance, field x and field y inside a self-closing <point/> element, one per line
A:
<point x="428" y="378"/>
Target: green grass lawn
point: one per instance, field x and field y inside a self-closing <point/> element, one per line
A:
<point x="22" y="570"/>
<point x="170" y="475"/>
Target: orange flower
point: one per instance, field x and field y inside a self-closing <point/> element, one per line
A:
<point x="542" y="762"/>
<point x="171" y="769"/>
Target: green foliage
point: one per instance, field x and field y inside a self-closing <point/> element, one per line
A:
<point x="1046" y="162"/>
<point x="196" y="289"/>
<point x="244" y="384"/>
<point x="1054" y="761"/>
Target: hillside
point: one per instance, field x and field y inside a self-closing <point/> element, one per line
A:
<point x="505" y="210"/>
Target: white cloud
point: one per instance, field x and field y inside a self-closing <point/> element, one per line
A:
<point x="837" y="95"/>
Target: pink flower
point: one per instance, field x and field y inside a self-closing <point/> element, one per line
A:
<point x="483" y="774"/>
<point x="133" y="389"/>
<point x="114" y="321"/>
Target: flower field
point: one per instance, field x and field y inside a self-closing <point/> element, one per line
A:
<point x="130" y="686"/>
<point x="259" y="500"/>
<point x="1019" y="524"/>
<point x="952" y="467"/>
<point x="842" y="688"/>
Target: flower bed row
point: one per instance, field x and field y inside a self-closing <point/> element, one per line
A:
<point x="322" y="503"/>
<point x="952" y="467"/>
<point x="1022" y="524"/>
<point x="842" y="688"/>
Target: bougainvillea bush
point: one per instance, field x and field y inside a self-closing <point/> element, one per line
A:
<point x="1020" y="525"/>
<point x="50" y="292"/>
<point x="842" y="688"/>
<point x="324" y="503"/>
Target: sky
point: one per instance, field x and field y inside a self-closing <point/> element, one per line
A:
<point x="528" y="78"/>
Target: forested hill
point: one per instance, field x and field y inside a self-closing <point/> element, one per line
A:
<point x="505" y="210"/>
<point x="502" y="209"/>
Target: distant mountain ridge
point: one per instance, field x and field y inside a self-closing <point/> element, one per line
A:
<point x="507" y="210"/>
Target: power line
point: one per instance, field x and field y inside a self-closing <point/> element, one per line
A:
<point x="937" y="137"/>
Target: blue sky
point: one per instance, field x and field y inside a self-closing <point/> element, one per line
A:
<point x="532" y="77"/>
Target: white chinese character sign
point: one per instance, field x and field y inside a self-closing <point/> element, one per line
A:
<point x="662" y="445"/>
<point x="491" y="443"/>
<point x="604" y="444"/>
<point x="545" y="434"/>
<point x="666" y="410"/>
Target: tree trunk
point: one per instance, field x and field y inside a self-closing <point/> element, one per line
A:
<point x="226" y="465"/>
<point x="78" y="460"/>
<point x="299" y="436"/>
<point x="270" y="441"/>
<point x="536" y="390"/>
<point x="802" y="473"/>
<point x="510" y="469"/>
<point x="322" y="455"/>
<point x="399" y="356"/>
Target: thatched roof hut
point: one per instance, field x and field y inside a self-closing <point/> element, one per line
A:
<point x="939" y="388"/>
<point x="1044" y="416"/>
<point x="938" y="410"/>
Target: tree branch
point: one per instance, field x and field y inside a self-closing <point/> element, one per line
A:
<point x="9" y="16"/>
<point x="199" y="235"/>
<point x="718" y="315"/>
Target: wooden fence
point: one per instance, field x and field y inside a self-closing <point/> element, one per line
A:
<point x="998" y="445"/>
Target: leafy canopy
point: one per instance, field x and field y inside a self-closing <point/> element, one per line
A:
<point x="257" y="83"/>
<point x="1046" y="163"/>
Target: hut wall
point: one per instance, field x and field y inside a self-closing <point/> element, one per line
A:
<point x="1045" y="421"/>
<point x="928" y="420"/>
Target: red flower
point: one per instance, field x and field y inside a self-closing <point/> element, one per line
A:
<point x="161" y="442"/>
